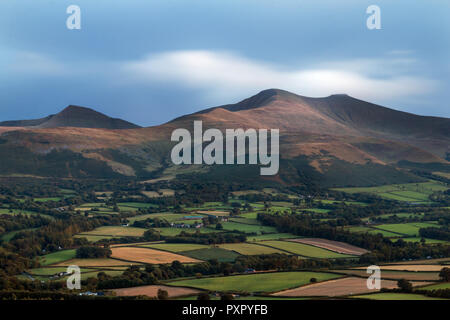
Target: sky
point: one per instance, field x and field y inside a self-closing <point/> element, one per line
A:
<point x="149" y="61"/>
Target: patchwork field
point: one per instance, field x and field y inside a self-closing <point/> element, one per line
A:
<point x="260" y="282"/>
<point x="411" y="267"/>
<point x="147" y="255"/>
<point x="219" y="254"/>
<point x="394" y="275"/>
<point x="249" y="248"/>
<point x="333" y="288"/>
<point x="175" y="247"/>
<point x="95" y="263"/>
<point x="115" y="231"/>
<point x="56" y="257"/>
<point x="303" y="249"/>
<point x="395" y="296"/>
<point x="336" y="246"/>
<point x="409" y="229"/>
<point x="152" y="291"/>
<point x="408" y="192"/>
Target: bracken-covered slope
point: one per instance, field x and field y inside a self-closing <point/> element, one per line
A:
<point x="335" y="140"/>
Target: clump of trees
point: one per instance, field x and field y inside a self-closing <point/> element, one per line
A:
<point x="92" y="252"/>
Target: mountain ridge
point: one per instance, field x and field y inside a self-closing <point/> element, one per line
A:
<point x="328" y="135"/>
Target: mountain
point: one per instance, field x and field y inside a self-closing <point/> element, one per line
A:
<point x="73" y="116"/>
<point x="334" y="141"/>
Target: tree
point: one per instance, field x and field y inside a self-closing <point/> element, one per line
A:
<point x="203" y="296"/>
<point x="445" y="274"/>
<point x="163" y="294"/>
<point x="404" y="285"/>
<point x="227" y="296"/>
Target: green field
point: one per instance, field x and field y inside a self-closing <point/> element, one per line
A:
<point x="444" y="285"/>
<point x="408" y="192"/>
<point x="9" y="235"/>
<point x="271" y="236"/>
<point x="262" y="282"/>
<point x="396" y="296"/>
<point x="247" y="228"/>
<point x="304" y="250"/>
<point x="249" y="248"/>
<point x="409" y="229"/>
<point x="427" y="240"/>
<point x="219" y="254"/>
<point x="57" y="257"/>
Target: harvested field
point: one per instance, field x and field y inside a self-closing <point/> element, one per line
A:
<point x="145" y="255"/>
<point x="333" y="288"/>
<point x="115" y="231"/>
<point x="95" y="263"/>
<point x="410" y="267"/>
<point x="395" y="275"/>
<point x="336" y="246"/>
<point x="152" y="291"/>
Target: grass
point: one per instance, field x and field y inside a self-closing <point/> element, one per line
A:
<point x="249" y="248"/>
<point x="444" y="285"/>
<point x="261" y="282"/>
<point x="57" y="257"/>
<point x="9" y="235"/>
<point x="247" y="228"/>
<point x="219" y="254"/>
<point x="115" y="231"/>
<point x="170" y="217"/>
<point x="92" y="238"/>
<point x="47" y="199"/>
<point x="427" y="240"/>
<point x="408" y="192"/>
<point x="395" y="296"/>
<point x="304" y="249"/>
<point x="137" y="205"/>
<point x="272" y="236"/>
<point x="176" y="231"/>
<point x="409" y="229"/>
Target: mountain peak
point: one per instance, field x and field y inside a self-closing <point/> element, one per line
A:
<point x="74" y="116"/>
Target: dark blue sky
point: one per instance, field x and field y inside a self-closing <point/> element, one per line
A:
<point x="151" y="61"/>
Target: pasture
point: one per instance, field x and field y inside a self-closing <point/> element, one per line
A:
<point x="303" y="249"/>
<point x="259" y="282"/>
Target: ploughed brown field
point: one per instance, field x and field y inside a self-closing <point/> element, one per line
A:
<point x="336" y="246"/>
<point x="146" y="255"/>
<point x="333" y="288"/>
<point x="152" y="291"/>
<point x="395" y="275"/>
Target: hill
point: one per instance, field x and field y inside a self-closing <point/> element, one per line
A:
<point x="73" y="116"/>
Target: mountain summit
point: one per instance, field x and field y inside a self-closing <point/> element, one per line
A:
<point x="74" y="116"/>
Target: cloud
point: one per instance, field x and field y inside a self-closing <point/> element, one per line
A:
<point x="225" y="74"/>
<point x="32" y="63"/>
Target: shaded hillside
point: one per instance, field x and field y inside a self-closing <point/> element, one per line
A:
<point x="73" y="116"/>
